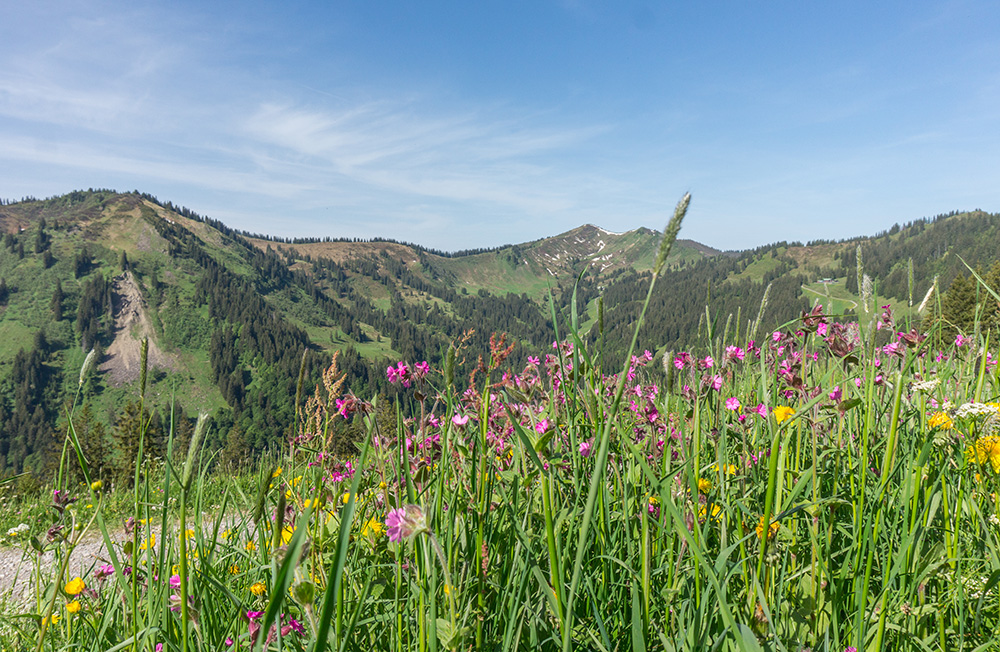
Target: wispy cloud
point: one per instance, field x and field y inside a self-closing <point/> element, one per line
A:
<point x="445" y="155"/>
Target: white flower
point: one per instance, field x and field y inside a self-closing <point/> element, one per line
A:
<point x="926" y="386"/>
<point x="967" y="410"/>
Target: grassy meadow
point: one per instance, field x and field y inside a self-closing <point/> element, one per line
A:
<point x="830" y="485"/>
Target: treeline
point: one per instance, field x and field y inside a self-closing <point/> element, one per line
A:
<point x="676" y="315"/>
<point x="928" y="243"/>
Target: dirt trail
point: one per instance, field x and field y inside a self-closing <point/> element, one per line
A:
<point x="122" y="360"/>
<point x="17" y="565"/>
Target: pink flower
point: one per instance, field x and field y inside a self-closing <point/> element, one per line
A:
<point x="422" y="368"/>
<point x="716" y="382"/>
<point x="733" y="403"/>
<point x="836" y="394"/>
<point x="460" y="420"/>
<point x="542" y="425"/>
<point x="585" y="448"/>
<point x="761" y="410"/>
<point x="821" y="329"/>
<point x="708" y="362"/>
<point x="175" y="581"/>
<point x="962" y="341"/>
<point x="892" y="348"/>
<point x="104" y="570"/>
<point x="405" y="522"/>
<point x="533" y="360"/>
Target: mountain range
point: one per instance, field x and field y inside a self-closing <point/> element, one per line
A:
<point x="230" y="317"/>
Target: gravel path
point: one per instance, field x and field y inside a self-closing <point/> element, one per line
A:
<point x="17" y="565"/>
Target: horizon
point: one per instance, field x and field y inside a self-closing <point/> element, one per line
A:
<point x="423" y="124"/>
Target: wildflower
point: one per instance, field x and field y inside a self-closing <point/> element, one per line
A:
<point x="985" y="451"/>
<point x="372" y="527"/>
<point x="770" y="530"/>
<point x="940" y="420"/>
<point x="175" y="581"/>
<point x="75" y="586"/>
<point x="716" y="382"/>
<point x="73" y="607"/>
<point x="51" y="620"/>
<point x="234" y="569"/>
<point x="149" y="543"/>
<point x="704" y="485"/>
<point x="258" y="588"/>
<point x="733" y="404"/>
<point x="586" y="448"/>
<point x="783" y="412"/>
<point x="405" y="522"/>
<point x="286" y="534"/>
<point x="276" y="472"/>
<point x="836" y="394"/>
<point x="14" y="531"/>
<point x="460" y="420"/>
<point x="716" y="513"/>
<point x="96" y="485"/>
<point x="968" y="410"/>
<point x="104" y="570"/>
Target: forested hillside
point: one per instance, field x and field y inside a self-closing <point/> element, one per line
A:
<point x="229" y="318"/>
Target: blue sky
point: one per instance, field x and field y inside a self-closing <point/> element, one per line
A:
<point x="472" y="124"/>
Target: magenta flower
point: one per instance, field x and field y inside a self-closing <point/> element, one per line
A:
<point x="962" y="341"/>
<point x="586" y="447"/>
<point x="836" y="394"/>
<point x="460" y="420"/>
<point x="708" y="362"/>
<point x="104" y="570"/>
<point x="761" y="410"/>
<point x="405" y="522"/>
<point x="733" y="404"/>
<point x="716" y="382"/>
<point x="542" y="425"/>
<point x="175" y="581"/>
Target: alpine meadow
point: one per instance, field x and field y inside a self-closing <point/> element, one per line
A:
<point x="212" y="439"/>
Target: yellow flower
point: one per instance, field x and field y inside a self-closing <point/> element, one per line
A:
<point x="762" y="527"/>
<point x="73" y="607"/>
<point x="940" y="420"/>
<point x="346" y="497"/>
<point x="189" y="533"/>
<point x="53" y="619"/>
<point x="226" y="534"/>
<point x="258" y="588"/>
<point x="704" y="485"/>
<point x="296" y="480"/>
<point x="782" y="412"/>
<point x="986" y="450"/>
<point x="716" y="513"/>
<point x="276" y="473"/>
<point x="251" y="546"/>
<point x="149" y="544"/>
<point x="75" y="586"/>
<point x="372" y="526"/>
<point x="286" y="534"/>
<point x="234" y="569"/>
<point x="96" y="485"/>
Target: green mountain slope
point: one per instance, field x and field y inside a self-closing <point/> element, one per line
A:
<point x="230" y="318"/>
